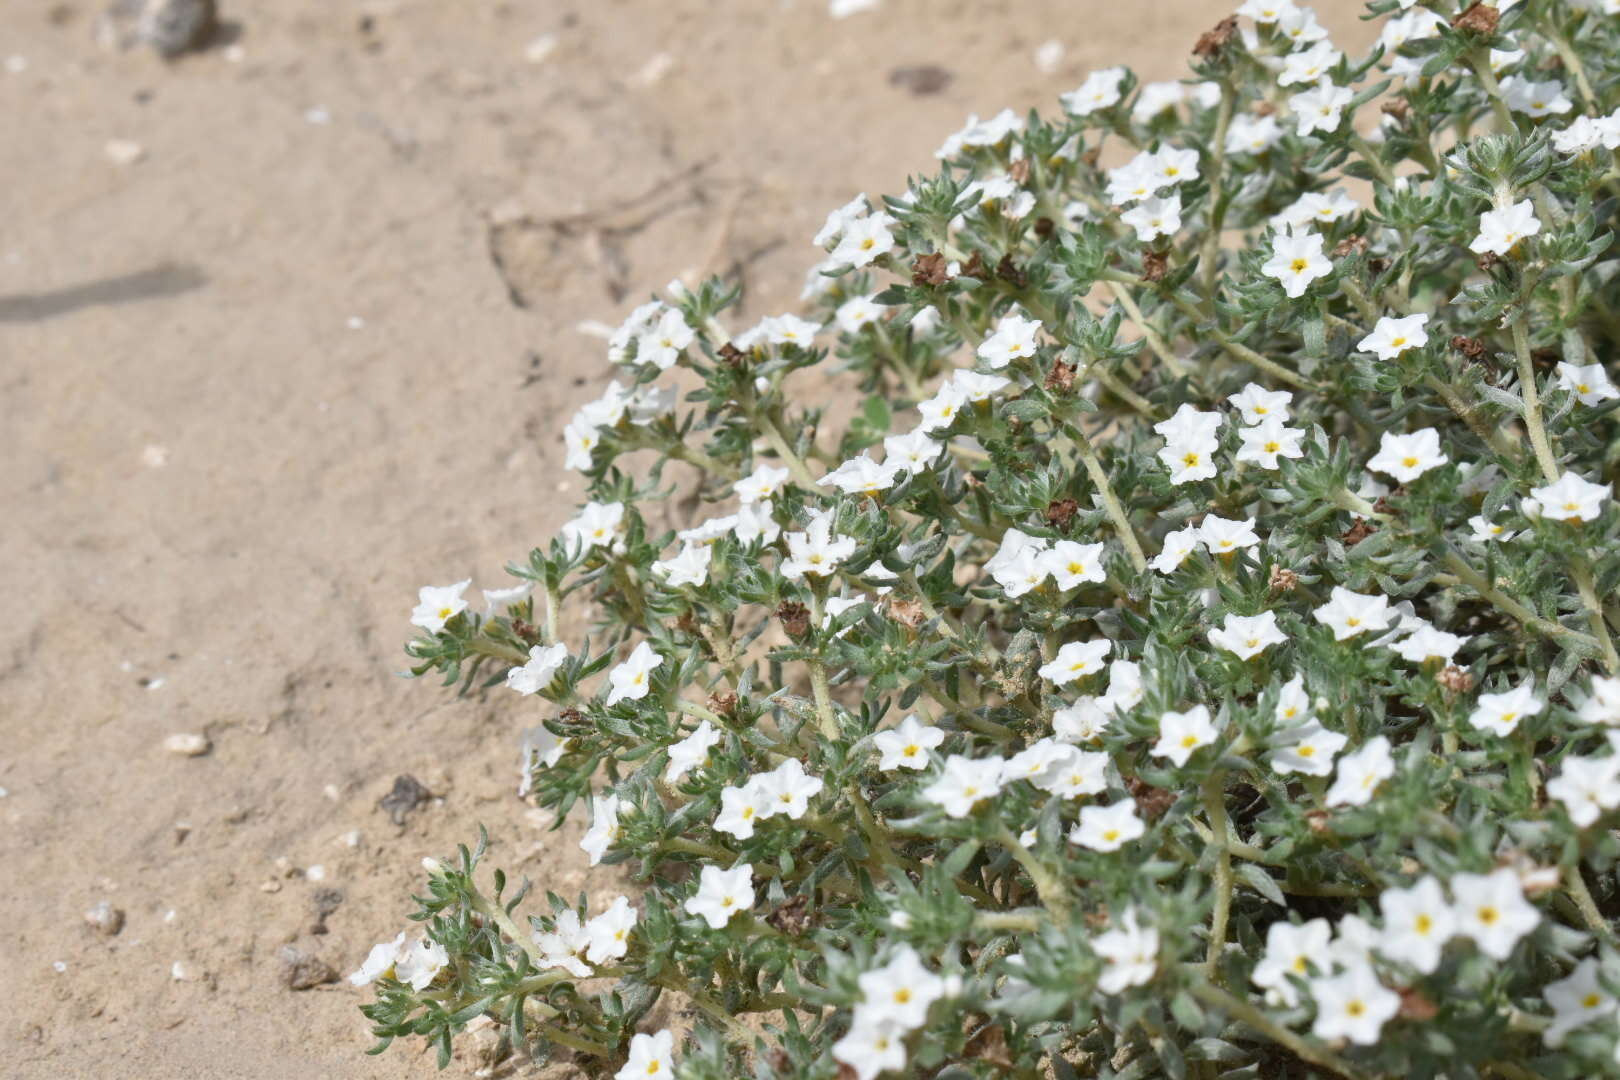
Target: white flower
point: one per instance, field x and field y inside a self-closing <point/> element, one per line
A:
<point x="662" y="345"/>
<point x="1492" y="910"/>
<point x="640" y="320"/>
<point x="1175" y="165"/>
<point x="1099" y="91"/>
<point x="1500" y="230"/>
<point x="1392" y="336"/>
<point x="761" y="484"/>
<point x="1249" y="134"/>
<point x="1322" y="107"/>
<point x="940" y="410"/>
<point x="787" y="789"/>
<point x="1602" y="704"/>
<point x="565" y="946"/>
<point x="1590" y="384"/>
<point x="604" y="830"/>
<point x="1297" y="260"/>
<point x="906" y="745"/>
<point x="1308" y="749"/>
<point x="1257" y="404"/>
<point x="1500" y="713"/>
<point x="1155" y="98"/>
<point x="838" y="220"/>
<point x="1353" y="1005"/>
<point x="1268" y="11"/>
<point x="864" y="240"/>
<point x="579" y="441"/>
<point x="597" y="524"/>
<point x="1190" y="444"/>
<point x="816" y="550"/>
<point x="1587" y="787"/>
<point x="1076" y="660"/>
<point x="1291" y="952"/>
<point x="1130" y="954"/>
<point x="740" y="808"/>
<point x="1300" y="26"/>
<point x="978" y="132"/>
<point x="1576" y="1001"/>
<point x="1269" y="440"/>
<point x="1177" y="546"/>
<point x="1350" y="613"/>
<point x="1124" y="685"/>
<point x="977" y="386"/>
<point x="1074" y="773"/>
<point x="902" y="991"/>
<point x="1036" y="762"/>
<point x="722" y="893"/>
<point x="836" y="606"/>
<point x="691" y="752"/>
<point x="1248" y="635"/>
<point x="543" y="664"/>
<point x="855" y="313"/>
<point x="1135" y="180"/>
<point x="1309" y="65"/>
<point x="438" y="604"/>
<point x="873" y="1045"/>
<point x="1107" y="828"/>
<point x="1223" y="536"/>
<point x="1485" y="530"/>
<point x="1407" y="457"/>
<point x="912" y="452"/>
<point x="1315" y="207"/>
<point x="609" y="932"/>
<point x="1418" y="921"/>
<point x="1293" y="703"/>
<point x="964" y="782"/>
<point x="1570" y="498"/>
<point x="607" y="410"/>
<point x="1582" y="135"/>
<point x="1154" y="217"/>
<point x="1070" y="563"/>
<point x="379" y="962"/>
<point x="420" y="963"/>
<point x="1427" y="643"/>
<point x="690" y="567"/>
<point x="790" y="330"/>
<point x="1360" y="773"/>
<point x="1180" y="733"/>
<point x="860" y="475"/>
<point x="1083" y="721"/>
<point x="652" y="1057"/>
<point x="754" y="521"/>
<point x="500" y="601"/>
<point x="633" y="678"/>
<point x="1535" y="98"/>
<point x="1014" y="339"/>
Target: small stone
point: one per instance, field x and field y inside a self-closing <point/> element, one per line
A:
<point x="61" y="968"/>
<point x="316" y="872"/>
<point x="16" y="64"/>
<point x="179" y="972"/>
<point x="154" y="457"/>
<point x="303" y="971"/>
<point x="271" y="886"/>
<point x="105" y="919"/>
<point x="350" y="838"/>
<point x="1049" y="56"/>
<point x="407" y="794"/>
<point x="318" y="114"/>
<point x="124" y="152"/>
<point x="284" y="867"/>
<point x="331" y="792"/>
<point x="187" y="745"/>
<point x="540" y="49"/>
<point x="170" y="27"/>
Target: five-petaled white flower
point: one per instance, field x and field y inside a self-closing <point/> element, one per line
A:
<point x="1589" y="383"/>
<point x="903" y="990"/>
<point x="663" y="344"/>
<point x="1269" y="440"/>
<point x="1492" y="910"/>
<point x="438" y="604"/>
<point x="759" y="485"/>
<point x="1293" y="703"/>
<point x="740" y="808"/>
<point x="1500" y="713"/>
<point x="1535" y="98"/>
<point x="1418" y="921"/>
<point x="1320" y="108"/>
<point x="690" y="752"/>
<point x="1074" y="772"/>
<point x="1393" y="336"/>
<point x="1076" y="660"/>
<point x="565" y="945"/>
<point x="1309" y="65"/>
<point x="1500" y="230"/>
<point x="1070" y="563"/>
<point x="1602" y="704"/>
<point x="1180" y="733"/>
<point x="1190" y="444"/>
<point x="652" y="1057"/>
<point x="1223" y="536"/>
<point x="1130" y="954"/>
<point x="609" y="932"/>
<point x="1154" y="217"/>
<point x="632" y="679"/>
<point x="1428" y="643"/>
<point x="1257" y="404"/>
<point x="1351" y="613"/>
<point x="964" y="782"/>
<point x="1249" y="134"/>
<point x="1570" y="498"/>
<point x="1587" y="787"/>
<point x="1353" y="1005"/>
<point x="1014" y="339"/>
<point x="864" y="239"/>
<point x="1268" y="11"/>
<point x="906" y="745"/>
<point x="873" y="1045"/>
<point x="690" y="567"/>
<point x="1099" y="91"/>
<point x="1360" y="773"/>
<point x="1292" y="952"/>
<point x="1107" y="828"/>
<point x="1309" y="749"/>
<point x="787" y="789"/>
<point x="816" y="550"/>
<point x="1248" y="635"/>
<point x="1576" y="1001"/>
<point x="1177" y="546"/>
<point x="1297" y="259"/>
<point x="596" y="525"/>
<point x="722" y="893"/>
<point x="1407" y="457"/>
<point x="542" y="666"/>
<point x="379" y="962"/>
<point x="604" y="830"/>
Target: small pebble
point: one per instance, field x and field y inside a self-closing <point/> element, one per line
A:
<point x="350" y="838"/>
<point x="654" y="70"/>
<point x="170" y="915"/>
<point x="843" y="9"/>
<point x="16" y="64"/>
<point x="1049" y="56"/>
<point x="270" y="886"/>
<point x="235" y="54"/>
<point x="60" y="967"/>
<point x="331" y="792"/>
<point x="319" y="114"/>
<point x="303" y="971"/>
<point x="356" y="323"/>
<point x="124" y="151"/>
<point x="153" y="457"/>
<point x="284" y="867"/>
<point x="179" y="972"/>
<point x="187" y="745"/>
<point x="540" y="48"/>
<point x="316" y="872"/>
<point x="105" y="918"/>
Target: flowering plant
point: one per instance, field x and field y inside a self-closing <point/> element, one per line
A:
<point x="1216" y="674"/>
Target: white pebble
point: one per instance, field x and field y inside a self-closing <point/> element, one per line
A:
<point x="156" y="682"/>
<point x="319" y="114"/>
<point x="170" y="915"/>
<point x="316" y="872"/>
<point x="178" y="972"/>
<point x="124" y="151"/>
<point x="843" y="9"/>
<point x="654" y="69"/>
<point x="235" y="54"/>
<point x="60" y="967"/>
<point x="1049" y="55"/>
<point x="540" y="48"/>
<point x="350" y="838"/>
<point x="187" y="745"/>
<point x="154" y="457"/>
<point x="16" y="64"/>
<point x="356" y="323"/>
<point x="331" y="792"/>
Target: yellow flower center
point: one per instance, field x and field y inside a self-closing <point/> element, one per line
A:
<point x="910" y="751"/>
<point x="1111" y="835"/>
<point x="1189" y="741"/>
<point x="1190" y="459"/>
<point x="1397" y="342"/>
<point x="1273" y="446"/>
<point x="1306" y="751"/>
<point x="1488" y="915"/>
<point x="902" y="996"/>
<point x="1409" y="461"/>
<point x="1591" y="1001"/>
<point x="444" y="613"/>
<point x="1423" y="924"/>
<point x="1356" y="1007"/>
<point x="1298" y="266"/>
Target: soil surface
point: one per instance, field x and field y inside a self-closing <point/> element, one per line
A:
<point x="289" y="327"/>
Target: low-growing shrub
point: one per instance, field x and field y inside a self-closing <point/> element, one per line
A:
<point x="1216" y="675"/>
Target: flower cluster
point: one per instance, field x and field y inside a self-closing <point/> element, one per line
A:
<point x="1182" y="642"/>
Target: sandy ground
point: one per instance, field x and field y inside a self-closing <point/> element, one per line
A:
<point x="315" y="349"/>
